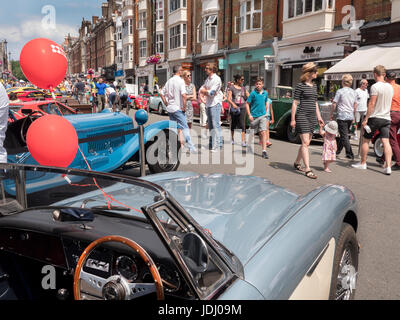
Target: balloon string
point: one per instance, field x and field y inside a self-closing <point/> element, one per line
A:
<point x="108" y="197"/>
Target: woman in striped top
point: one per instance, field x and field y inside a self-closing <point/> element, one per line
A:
<point x="305" y="113"/>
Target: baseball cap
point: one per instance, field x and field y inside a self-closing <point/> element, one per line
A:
<point x="391" y="75"/>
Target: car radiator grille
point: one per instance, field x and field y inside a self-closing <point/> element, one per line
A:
<point x="105" y="144"/>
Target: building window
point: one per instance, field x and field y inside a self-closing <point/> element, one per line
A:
<point x="142" y="48"/>
<point x="160" y="43"/>
<point x="176" y="4"/>
<point x="177" y="36"/>
<point x="126" y="54"/>
<point x="300" y="7"/>
<point x="130" y="26"/>
<point x="131" y="52"/>
<point x="250" y="16"/>
<point x="207" y="29"/>
<point x="142" y="20"/>
<point x="119" y="56"/>
<point x="159" y="10"/>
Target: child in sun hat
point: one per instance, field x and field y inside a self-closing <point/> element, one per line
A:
<point x="329" y="151"/>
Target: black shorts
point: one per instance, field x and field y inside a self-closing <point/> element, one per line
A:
<point x="383" y="125"/>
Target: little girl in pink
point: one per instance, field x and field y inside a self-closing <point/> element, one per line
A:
<point x="330" y="147"/>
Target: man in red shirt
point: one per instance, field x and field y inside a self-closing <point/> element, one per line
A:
<point x="395" y="116"/>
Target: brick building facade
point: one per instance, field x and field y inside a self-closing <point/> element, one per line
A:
<point x="240" y="36"/>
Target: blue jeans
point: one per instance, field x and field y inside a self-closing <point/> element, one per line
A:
<point x="180" y="118"/>
<point x="214" y="124"/>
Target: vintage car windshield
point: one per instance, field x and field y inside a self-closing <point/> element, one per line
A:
<point x="24" y="187"/>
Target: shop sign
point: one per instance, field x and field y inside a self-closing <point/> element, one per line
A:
<point x="221" y="64"/>
<point x="308" y="52"/>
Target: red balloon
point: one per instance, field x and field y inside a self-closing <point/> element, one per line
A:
<point x="52" y="141"/>
<point x="43" y="63"/>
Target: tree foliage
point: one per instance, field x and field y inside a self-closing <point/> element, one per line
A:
<point x="16" y="70"/>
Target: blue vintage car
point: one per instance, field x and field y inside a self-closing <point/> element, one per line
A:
<point x="108" y="140"/>
<point x="175" y="235"/>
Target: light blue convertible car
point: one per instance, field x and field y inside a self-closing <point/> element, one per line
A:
<point x="108" y="141"/>
<point x="176" y="235"/>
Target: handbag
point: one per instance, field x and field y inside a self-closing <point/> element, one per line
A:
<point x="237" y="110"/>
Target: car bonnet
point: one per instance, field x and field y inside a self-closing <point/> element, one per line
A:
<point x="242" y="212"/>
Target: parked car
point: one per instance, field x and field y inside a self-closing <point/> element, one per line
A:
<point x="155" y="103"/>
<point x="26" y="94"/>
<point x="175" y="236"/>
<point x="282" y="100"/>
<point x="224" y="116"/>
<point x="141" y="101"/>
<point x="378" y="145"/>
<point x="20" y="110"/>
<point x="107" y="140"/>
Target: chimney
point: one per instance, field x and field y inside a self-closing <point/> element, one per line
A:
<point x="94" y="20"/>
<point x="104" y="10"/>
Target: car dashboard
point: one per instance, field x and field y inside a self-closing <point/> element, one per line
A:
<point x="32" y="244"/>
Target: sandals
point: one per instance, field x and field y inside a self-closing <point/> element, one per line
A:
<point x="297" y="166"/>
<point x="311" y="175"/>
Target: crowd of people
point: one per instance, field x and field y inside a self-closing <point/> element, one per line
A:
<point x="179" y="93"/>
<point x="377" y="110"/>
<point x="97" y="92"/>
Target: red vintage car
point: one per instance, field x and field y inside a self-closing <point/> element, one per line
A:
<point x="224" y="115"/>
<point x="21" y="110"/>
<point x="141" y="101"/>
<point x="34" y="95"/>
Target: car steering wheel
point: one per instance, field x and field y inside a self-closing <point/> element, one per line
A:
<point x="31" y="118"/>
<point x="115" y="287"/>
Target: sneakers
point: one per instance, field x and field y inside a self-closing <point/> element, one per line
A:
<point x="396" y="167"/>
<point x="244" y="144"/>
<point x="265" y="155"/>
<point x="350" y="156"/>
<point x="360" y="166"/>
<point x="387" y="171"/>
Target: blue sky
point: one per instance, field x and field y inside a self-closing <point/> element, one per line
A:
<point x="23" y="20"/>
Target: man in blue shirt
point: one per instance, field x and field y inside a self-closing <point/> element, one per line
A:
<point x="101" y="94"/>
<point x="256" y="106"/>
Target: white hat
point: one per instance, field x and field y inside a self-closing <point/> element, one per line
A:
<point x="331" y="127"/>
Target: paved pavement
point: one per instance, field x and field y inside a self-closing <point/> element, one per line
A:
<point x="377" y="195"/>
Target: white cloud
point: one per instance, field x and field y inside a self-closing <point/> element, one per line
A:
<point x="18" y="36"/>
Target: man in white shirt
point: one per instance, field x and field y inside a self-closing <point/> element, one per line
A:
<point x="212" y="89"/>
<point x="378" y="118"/>
<point x="362" y="97"/>
<point x="110" y="96"/>
<point x="174" y="97"/>
<point x="4" y="102"/>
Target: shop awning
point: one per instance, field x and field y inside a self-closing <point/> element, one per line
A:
<point x="362" y="62"/>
